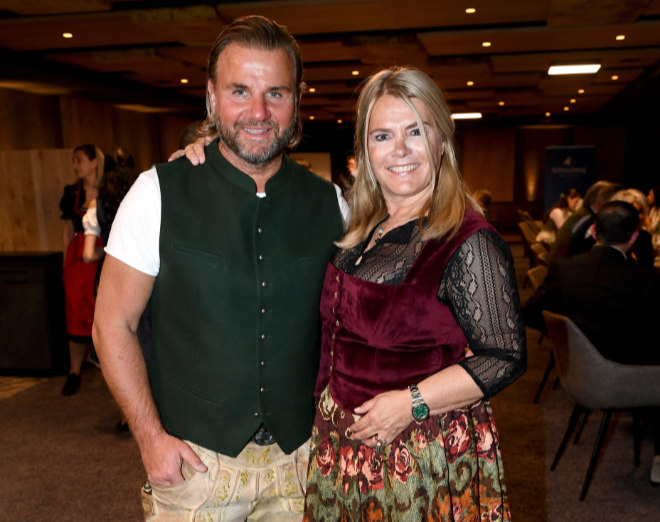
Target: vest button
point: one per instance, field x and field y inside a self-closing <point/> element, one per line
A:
<point x="263" y="311"/>
<point x="333" y="336"/>
<point x="335" y="295"/>
<point x="260" y="230"/>
<point x="337" y="278"/>
<point x="264" y="284"/>
<point x="256" y="413"/>
<point x="261" y="257"/>
<point x="263" y="337"/>
<point x="263" y="363"/>
<point x="262" y="389"/>
<point x="337" y="323"/>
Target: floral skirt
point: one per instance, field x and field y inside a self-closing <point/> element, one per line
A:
<point x="446" y="468"/>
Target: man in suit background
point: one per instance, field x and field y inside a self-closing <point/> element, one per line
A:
<point x="611" y="299"/>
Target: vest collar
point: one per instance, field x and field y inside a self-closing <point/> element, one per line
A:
<point x="223" y="168"/>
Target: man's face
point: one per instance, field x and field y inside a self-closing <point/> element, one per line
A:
<point x="254" y="103"/>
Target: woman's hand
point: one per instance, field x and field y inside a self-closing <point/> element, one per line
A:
<point x="383" y="418"/>
<point x="194" y="151"/>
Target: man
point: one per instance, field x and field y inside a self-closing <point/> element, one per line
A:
<point x="231" y="255"/>
<point x="573" y="236"/>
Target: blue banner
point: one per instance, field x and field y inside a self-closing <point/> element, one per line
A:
<point x="566" y="168"/>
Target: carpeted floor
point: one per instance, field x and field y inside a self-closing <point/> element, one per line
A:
<point x="60" y="459"/>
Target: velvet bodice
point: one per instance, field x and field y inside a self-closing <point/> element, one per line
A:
<point x="379" y="337"/>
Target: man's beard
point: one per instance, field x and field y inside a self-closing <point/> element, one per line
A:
<point x="260" y="157"/>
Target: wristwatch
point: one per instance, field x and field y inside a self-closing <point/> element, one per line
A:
<point x="420" y="411"/>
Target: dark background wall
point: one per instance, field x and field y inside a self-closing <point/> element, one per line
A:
<point x="507" y="158"/>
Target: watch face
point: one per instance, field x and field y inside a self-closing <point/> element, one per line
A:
<point x="420" y="412"/>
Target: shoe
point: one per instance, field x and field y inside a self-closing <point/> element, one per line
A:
<point x="71" y="385"/>
<point x="655" y="471"/>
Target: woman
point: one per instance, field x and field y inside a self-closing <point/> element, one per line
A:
<point x="421" y="324"/>
<point x="653" y="199"/>
<point x="557" y="214"/>
<point x="79" y="276"/>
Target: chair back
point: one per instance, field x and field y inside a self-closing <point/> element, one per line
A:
<point x="593" y="381"/>
<point x="536" y="275"/>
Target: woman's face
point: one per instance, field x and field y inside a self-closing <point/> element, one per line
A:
<point x="83" y="166"/>
<point x="572" y="202"/>
<point x="397" y="150"/>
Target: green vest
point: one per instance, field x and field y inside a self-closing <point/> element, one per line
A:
<point x="235" y="306"/>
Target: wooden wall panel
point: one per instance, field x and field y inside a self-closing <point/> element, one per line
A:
<point x="29" y="121"/>
<point x="488" y="160"/>
<point x="86" y="121"/>
<point x="31" y="185"/>
<point x="139" y="132"/>
<point x="171" y="127"/>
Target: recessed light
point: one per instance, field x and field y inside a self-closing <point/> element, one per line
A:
<point x="312" y="117"/>
<point x="466" y="115"/>
<point x="621" y="37"/>
<point x="340" y="121"/>
<point x="581" y="68"/>
<point x="470" y="10"/>
<point x="547" y="115"/>
<point x="312" y="89"/>
<point x="615" y="77"/>
<point x="573" y="100"/>
<point x="184" y="80"/>
<point x="469" y="83"/>
<point x="567" y="108"/>
<point x="67" y="35"/>
<point x="580" y="91"/>
<point x="355" y="73"/>
<point x="486" y="44"/>
<point x="500" y="103"/>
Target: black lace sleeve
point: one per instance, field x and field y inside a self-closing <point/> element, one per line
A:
<point x="479" y="285"/>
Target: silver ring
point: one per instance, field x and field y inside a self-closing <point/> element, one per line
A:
<point x="380" y="443"/>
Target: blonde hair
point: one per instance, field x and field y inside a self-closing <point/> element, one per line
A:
<point x="449" y="193"/>
<point x="633" y="196"/>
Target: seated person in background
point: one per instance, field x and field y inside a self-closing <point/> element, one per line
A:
<point x="653" y="200"/>
<point x="557" y="214"/>
<point x="573" y="237"/>
<point x="614" y="302"/>
<point x="642" y="250"/>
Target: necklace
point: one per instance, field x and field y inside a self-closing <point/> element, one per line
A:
<point x="379" y="234"/>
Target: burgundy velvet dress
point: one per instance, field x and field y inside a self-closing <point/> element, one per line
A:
<point x="393" y="316"/>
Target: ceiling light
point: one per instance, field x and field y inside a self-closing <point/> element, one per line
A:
<point x="312" y="117"/>
<point x="184" y="80"/>
<point x="340" y="121"/>
<point x="486" y="44"/>
<point x="547" y="114"/>
<point x="312" y="89"/>
<point x="567" y="108"/>
<point x="466" y="115"/>
<point x="470" y="10"/>
<point x="470" y="83"/>
<point x="500" y="103"/>
<point x="580" y="91"/>
<point x="573" y="100"/>
<point x="621" y="37"/>
<point x="355" y="73"/>
<point x="67" y="35"/>
<point x="582" y="68"/>
<point x="615" y="77"/>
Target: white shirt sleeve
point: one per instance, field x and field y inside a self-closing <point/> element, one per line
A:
<point x="343" y="206"/>
<point x="91" y="223"/>
<point x="135" y="233"/>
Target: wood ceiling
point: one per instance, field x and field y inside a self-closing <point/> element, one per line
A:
<point x="135" y="53"/>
